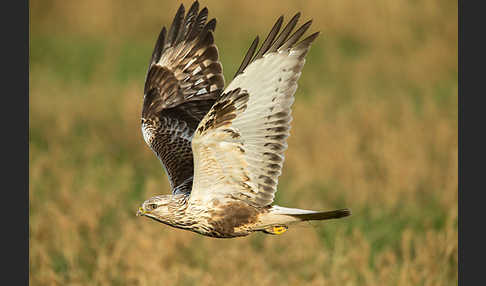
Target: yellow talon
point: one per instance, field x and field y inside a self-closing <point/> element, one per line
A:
<point x="279" y="229"/>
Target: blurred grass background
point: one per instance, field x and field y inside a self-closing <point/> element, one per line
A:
<point x="374" y="129"/>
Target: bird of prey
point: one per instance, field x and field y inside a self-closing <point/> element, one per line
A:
<point x="222" y="147"/>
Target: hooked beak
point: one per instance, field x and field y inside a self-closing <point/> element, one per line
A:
<point x="141" y="211"/>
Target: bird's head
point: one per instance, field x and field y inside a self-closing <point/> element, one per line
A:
<point x="162" y="208"/>
<point x="156" y="207"/>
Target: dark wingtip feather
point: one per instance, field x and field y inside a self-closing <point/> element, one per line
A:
<point x="196" y="5"/>
<point x="176" y="24"/>
<point x="270" y="37"/>
<point x="204" y="12"/>
<point x="187" y="23"/>
<point x="159" y="45"/>
<point x="285" y="33"/>
<point x="283" y="41"/>
<point x="197" y="25"/>
<point x="296" y="35"/>
<point x="211" y="25"/>
<point x="248" y="56"/>
<point x="305" y="43"/>
<point x="185" y="28"/>
<point x="192" y="10"/>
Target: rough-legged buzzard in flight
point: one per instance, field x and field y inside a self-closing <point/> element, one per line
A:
<point x="222" y="148"/>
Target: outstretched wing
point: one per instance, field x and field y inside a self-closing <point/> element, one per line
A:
<point x="183" y="81"/>
<point x="238" y="146"/>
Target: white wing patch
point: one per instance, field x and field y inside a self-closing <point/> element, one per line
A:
<point x="238" y="146"/>
<point x="238" y="149"/>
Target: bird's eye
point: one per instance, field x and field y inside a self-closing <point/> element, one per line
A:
<point x="151" y="207"/>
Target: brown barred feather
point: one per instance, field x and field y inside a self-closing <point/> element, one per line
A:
<point x="183" y="81"/>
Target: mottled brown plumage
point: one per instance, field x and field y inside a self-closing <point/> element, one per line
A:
<point x="183" y="81"/>
<point x="223" y="151"/>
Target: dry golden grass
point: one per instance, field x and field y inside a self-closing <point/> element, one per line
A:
<point x="374" y="129"/>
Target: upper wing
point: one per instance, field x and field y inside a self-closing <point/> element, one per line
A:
<point x="238" y="146"/>
<point x="183" y="81"/>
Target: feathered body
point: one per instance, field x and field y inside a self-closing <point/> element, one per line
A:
<point x="223" y="150"/>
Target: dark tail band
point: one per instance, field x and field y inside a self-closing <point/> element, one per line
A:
<point x="323" y="215"/>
